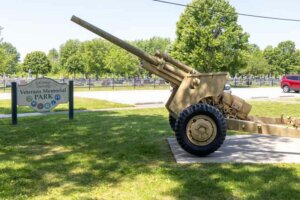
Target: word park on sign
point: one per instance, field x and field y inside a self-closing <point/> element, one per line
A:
<point x="42" y="94"/>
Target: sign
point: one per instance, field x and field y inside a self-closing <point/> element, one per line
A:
<point x="42" y="94"/>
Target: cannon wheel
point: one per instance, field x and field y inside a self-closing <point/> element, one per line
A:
<point x="200" y="129"/>
<point x="172" y="122"/>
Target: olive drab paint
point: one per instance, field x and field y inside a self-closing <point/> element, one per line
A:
<point x="198" y="104"/>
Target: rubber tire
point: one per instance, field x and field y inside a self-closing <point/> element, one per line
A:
<point x="286" y="91"/>
<point x="172" y="122"/>
<point x="297" y="91"/>
<point x="183" y="119"/>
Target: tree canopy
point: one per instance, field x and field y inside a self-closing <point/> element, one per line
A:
<point x="286" y="55"/>
<point x="282" y="58"/>
<point x="209" y="38"/>
<point x="93" y="55"/>
<point x="4" y="60"/>
<point x="99" y="57"/>
<point x="153" y="44"/>
<point x="68" y="49"/>
<point x="256" y="64"/>
<point x="37" y="62"/>
<point x="74" y="64"/>
<point x="11" y="57"/>
<point x="120" y="62"/>
<point x="53" y="57"/>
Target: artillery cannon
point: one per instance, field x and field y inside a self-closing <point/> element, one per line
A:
<point x="199" y="111"/>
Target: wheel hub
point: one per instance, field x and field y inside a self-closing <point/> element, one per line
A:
<point x="201" y="130"/>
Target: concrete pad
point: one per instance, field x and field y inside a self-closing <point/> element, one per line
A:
<point x="254" y="148"/>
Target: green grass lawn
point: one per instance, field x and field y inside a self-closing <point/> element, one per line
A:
<point x="125" y="155"/>
<point x="79" y="104"/>
<point x="272" y="108"/>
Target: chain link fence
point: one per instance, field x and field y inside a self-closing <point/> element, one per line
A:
<point x="134" y="83"/>
<point x="254" y="82"/>
<point x="112" y="83"/>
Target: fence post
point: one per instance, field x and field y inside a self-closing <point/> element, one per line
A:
<point x="71" y="100"/>
<point x="272" y="81"/>
<point x="259" y="82"/>
<point x="14" y="115"/>
<point x="89" y="84"/>
<point x="113" y="82"/>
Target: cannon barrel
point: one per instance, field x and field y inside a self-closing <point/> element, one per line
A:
<point x="117" y="41"/>
<point x="154" y="64"/>
<point x="174" y="62"/>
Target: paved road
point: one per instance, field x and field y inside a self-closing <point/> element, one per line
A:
<point x="5" y="96"/>
<point x="129" y="97"/>
<point x="252" y="93"/>
<point x="161" y="96"/>
<point x="156" y="96"/>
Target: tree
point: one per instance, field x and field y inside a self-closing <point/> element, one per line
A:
<point x="4" y="60"/>
<point x="270" y="56"/>
<point x="13" y="57"/>
<point x="37" y="62"/>
<point x="53" y="57"/>
<point x="256" y="62"/>
<point x="153" y="44"/>
<point x="70" y="48"/>
<point x="295" y="69"/>
<point x="297" y="57"/>
<point x="282" y="58"/>
<point x="74" y="64"/>
<point x="120" y="62"/>
<point x="209" y="38"/>
<point x="10" y="57"/>
<point x="93" y="55"/>
<point x="286" y="55"/>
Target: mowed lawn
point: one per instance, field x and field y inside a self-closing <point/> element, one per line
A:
<point x="79" y="104"/>
<point x="125" y="155"/>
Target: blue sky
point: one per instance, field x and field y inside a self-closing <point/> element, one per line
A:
<point x="44" y="24"/>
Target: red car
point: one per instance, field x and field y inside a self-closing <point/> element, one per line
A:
<point x="290" y="82"/>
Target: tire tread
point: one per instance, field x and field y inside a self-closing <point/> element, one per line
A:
<point x="180" y="129"/>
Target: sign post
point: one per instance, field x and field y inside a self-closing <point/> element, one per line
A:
<point x="42" y="95"/>
<point x="71" y="100"/>
<point x="14" y="111"/>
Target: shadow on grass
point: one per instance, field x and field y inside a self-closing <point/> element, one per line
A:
<point x="106" y="149"/>
<point x="79" y="103"/>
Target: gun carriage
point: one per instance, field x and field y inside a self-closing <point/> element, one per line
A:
<point x="200" y="112"/>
